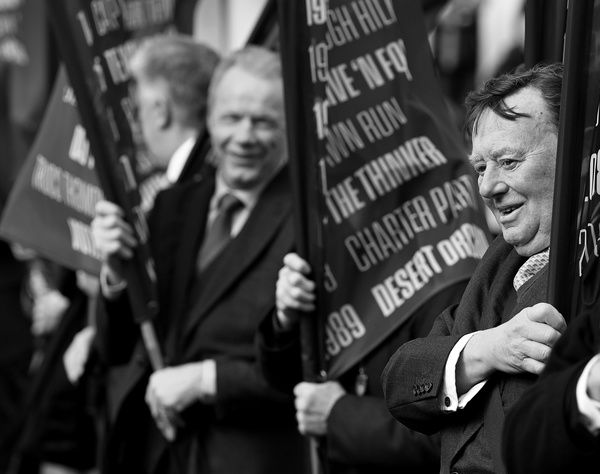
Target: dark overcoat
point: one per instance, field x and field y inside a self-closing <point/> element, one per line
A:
<point x="250" y="427"/>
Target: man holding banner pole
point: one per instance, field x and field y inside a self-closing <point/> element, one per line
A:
<point x="481" y="355"/>
<point x="217" y="243"/>
<point x="350" y="412"/>
<point x="390" y="222"/>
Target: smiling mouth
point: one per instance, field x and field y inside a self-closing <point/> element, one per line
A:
<point x="506" y="211"/>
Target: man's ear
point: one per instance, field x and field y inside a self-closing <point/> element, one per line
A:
<point x="162" y="112"/>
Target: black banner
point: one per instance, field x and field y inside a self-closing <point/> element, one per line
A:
<point x="574" y="281"/>
<point x="96" y="40"/>
<point x="399" y="217"/>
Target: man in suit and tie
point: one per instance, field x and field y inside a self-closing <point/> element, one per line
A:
<point x="481" y="355"/>
<point x="217" y="244"/>
<point x="171" y="74"/>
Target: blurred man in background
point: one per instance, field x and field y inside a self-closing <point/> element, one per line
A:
<point x="217" y="244"/>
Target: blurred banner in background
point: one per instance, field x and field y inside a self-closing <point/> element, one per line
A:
<point x="52" y="203"/>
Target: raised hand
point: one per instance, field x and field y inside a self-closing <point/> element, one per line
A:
<point x="294" y="290"/>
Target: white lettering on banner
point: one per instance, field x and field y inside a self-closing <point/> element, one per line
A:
<point x="588" y="237"/>
<point x="68" y="96"/>
<point x="382" y="120"/>
<point x="320" y="109"/>
<point x="467" y="241"/>
<point x="81" y="238"/>
<point x="97" y="68"/>
<point x="316" y="12"/>
<point x="388" y="172"/>
<point x="117" y="59"/>
<point x="63" y="187"/>
<point x="342" y="328"/>
<point x="343" y="200"/>
<point x="385" y="174"/>
<point x="86" y="29"/>
<point x="346" y="23"/>
<point x="390" y="234"/>
<point x="341" y="28"/>
<point x="138" y="14"/>
<point x="79" y="151"/>
<point x="392" y="60"/>
<point x="406" y="281"/>
<point x="377" y="122"/>
<point x="105" y="14"/>
<point x="340" y="86"/>
<point x="329" y="281"/>
<point x="453" y="196"/>
<point x="342" y="138"/>
<point x="317" y="54"/>
<point x="373" y="15"/>
<point x="384" y="64"/>
<point x="594" y="176"/>
<point x="46" y="178"/>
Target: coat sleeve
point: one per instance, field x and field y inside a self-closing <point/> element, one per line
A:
<point x="279" y="355"/>
<point x="382" y="441"/>
<point x="413" y="378"/>
<point x="543" y="431"/>
<point x="242" y="385"/>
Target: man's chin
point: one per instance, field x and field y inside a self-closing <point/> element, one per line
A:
<point x="242" y="180"/>
<point x="526" y="249"/>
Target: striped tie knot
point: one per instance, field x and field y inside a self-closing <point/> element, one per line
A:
<point x="531" y="266"/>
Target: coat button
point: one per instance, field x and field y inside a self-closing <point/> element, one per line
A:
<point x="447" y="401"/>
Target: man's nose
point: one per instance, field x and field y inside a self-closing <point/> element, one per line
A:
<point x="491" y="183"/>
<point x="244" y="130"/>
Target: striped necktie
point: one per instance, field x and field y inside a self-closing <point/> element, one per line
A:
<point x="531" y="266"/>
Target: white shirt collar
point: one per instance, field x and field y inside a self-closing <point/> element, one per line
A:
<point x="179" y="159"/>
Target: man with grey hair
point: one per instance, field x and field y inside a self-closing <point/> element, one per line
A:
<point x="171" y="75"/>
<point x="481" y="355"/>
<point x="217" y="243"/>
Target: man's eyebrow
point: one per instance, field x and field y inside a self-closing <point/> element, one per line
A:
<point x="504" y="151"/>
<point x="473" y="158"/>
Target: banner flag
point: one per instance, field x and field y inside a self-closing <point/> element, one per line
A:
<point x="574" y="270"/>
<point x="400" y="216"/>
<point x="52" y="203"/>
<point x="96" y="40"/>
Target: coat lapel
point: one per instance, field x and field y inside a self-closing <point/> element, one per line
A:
<point x="190" y="238"/>
<point x="187" y="236"/>
<point x="260" y="229"/>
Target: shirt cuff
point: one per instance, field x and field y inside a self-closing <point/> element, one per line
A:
<point x="109" y="290"/>
<point x="450" y="400"/>
<point x="208" y="381"/>
<point x="589" y="408"/>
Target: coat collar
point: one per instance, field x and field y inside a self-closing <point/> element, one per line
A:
<point x="232" y="264"/>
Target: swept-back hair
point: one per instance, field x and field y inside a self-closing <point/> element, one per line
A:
<point x="546" y="78"/>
